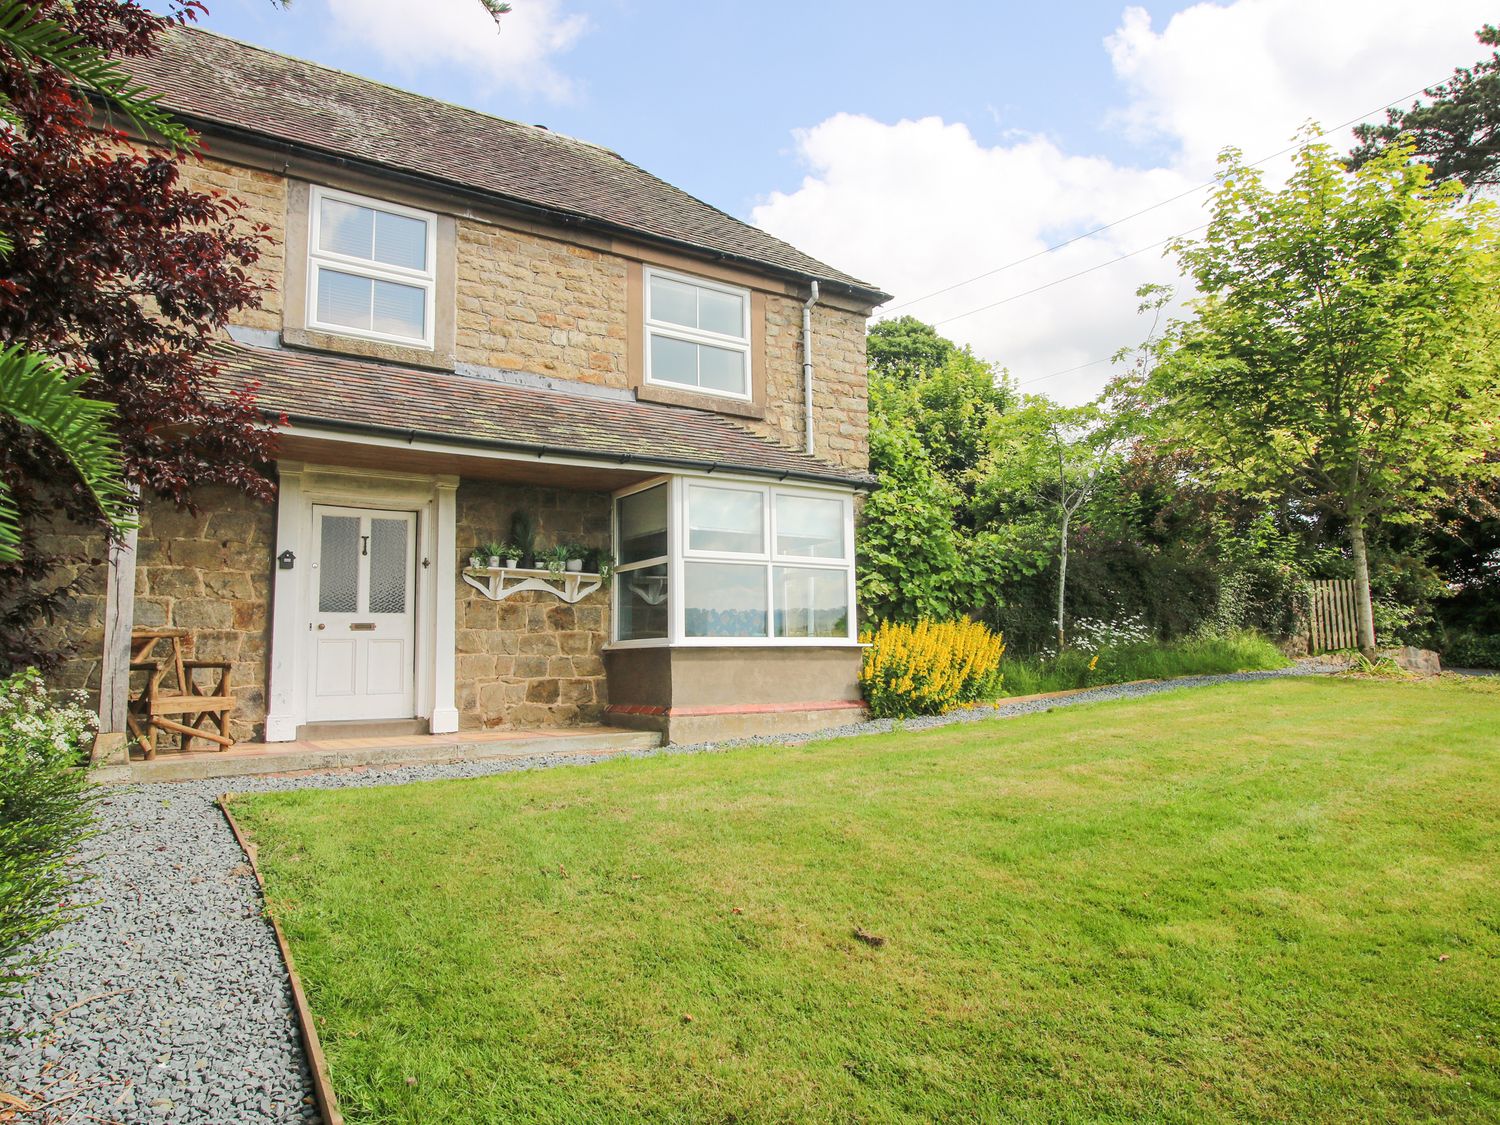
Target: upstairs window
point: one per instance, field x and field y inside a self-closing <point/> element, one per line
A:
<point x="697" y="335"/>
<point x="370" y="269"/>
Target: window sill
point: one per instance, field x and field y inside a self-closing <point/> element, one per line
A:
<point x="313" y="340"/>
<point x="672" y="396"/>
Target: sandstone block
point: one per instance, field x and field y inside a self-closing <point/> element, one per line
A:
<point x="542" y="691"/>
<point x="202" y="613"/>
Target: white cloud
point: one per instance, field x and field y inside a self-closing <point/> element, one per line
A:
<point x="917" y="205"/>
<point x="518" y="55"/>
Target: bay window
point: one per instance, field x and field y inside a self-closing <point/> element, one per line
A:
<point x="728" y="563"/>
<point x="371" y="269"/>
<point x="641" y="607"/>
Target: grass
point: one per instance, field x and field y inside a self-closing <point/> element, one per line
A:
<point x="1271" y="901"/>
<point x="1155" y="660"/>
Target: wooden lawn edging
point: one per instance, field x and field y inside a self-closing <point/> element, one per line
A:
<point x="317" y="1062"/>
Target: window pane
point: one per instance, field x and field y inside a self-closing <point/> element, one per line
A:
<point x="809" y="527"/>
<point x="643" y="525"/>
<point x="811" y="602"/>
<point x="721" y="312"/>
<point x="674" y="361"/>
<point x="388" y="571"/>
<point x="338" y="564"/>
<point x="400" y="310"/>
<point x="642" y="598"/>
<point x="720" y="369"/>
<point x="726" y="519"/>
<point x="343" y="299"/>
<point x="344" y="228"/>
<point x="674" y="302"/>
<point x="725" y="600"/>
<point x="400" y="240"/>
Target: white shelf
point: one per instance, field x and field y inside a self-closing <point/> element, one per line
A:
<point x="499" y="582"/>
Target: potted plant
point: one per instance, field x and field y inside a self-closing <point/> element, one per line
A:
<point x="597" y="560"/>
<point x="512" y="554"/>
<point x="493" y="551"/>
<point x="476" y="558"/>
<point x="556" y="560"/>
<point x="575" y="556"/>
<point x="523" y="537"/>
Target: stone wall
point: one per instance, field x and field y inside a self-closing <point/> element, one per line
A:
<point x="539" y="305"/>
<point x="78" y="629"/>
<point x="841" y="427"/>
<point x="531" y="660"/>
<point x="264" y="198"/>
<point x="209" y="572"/>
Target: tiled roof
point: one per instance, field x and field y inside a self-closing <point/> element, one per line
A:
<point x="315" y="388"/>
<point x="212" y="79"/>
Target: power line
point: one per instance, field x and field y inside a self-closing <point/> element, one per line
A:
<point x="1070" y="277"/>
<point x="1142" y="211"/>
<point x="1069" y="371"/>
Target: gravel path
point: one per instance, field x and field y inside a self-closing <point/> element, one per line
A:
<point x="168" y="1002"/>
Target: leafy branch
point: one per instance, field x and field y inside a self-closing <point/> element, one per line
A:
<point x="36" y="39"/>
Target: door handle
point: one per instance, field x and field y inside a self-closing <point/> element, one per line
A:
<point x="362" y="626"/>
<point x="321" y="626"/>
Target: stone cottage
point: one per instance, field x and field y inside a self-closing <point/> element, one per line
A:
<point x="473" y="325"/>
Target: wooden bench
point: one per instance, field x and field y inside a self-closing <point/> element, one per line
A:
<point x="187" y="706"/>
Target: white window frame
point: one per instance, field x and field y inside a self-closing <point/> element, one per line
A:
<point x="679" y="555"/>
<point x="697" y="335"/>
<point x="426" y="280"/>
<point x="621" y="571"/>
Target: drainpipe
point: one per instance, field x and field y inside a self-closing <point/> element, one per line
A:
<point x="807" y="364"/>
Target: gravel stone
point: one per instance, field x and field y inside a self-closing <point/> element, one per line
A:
<point x="167" y="999"/>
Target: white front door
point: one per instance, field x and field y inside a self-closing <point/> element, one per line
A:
<point x="360" y="627"/>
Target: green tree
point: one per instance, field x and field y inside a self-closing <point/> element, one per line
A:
<point x="35" y="392"/>
<point x="904" y="345"/>
<point x="932" y="405"/>
<point x="911" y="565"/>
<point x="1058" y="455"/>
<point x="1344" y="347"/>
<point x="951" y="409"/>
<point x="1457" y="133"/>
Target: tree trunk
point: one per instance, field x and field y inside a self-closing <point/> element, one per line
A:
<point x="1363" y="606"/>
<point x="1062" y="579"/>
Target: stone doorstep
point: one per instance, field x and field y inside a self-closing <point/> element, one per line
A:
<point x="328" y="755"/>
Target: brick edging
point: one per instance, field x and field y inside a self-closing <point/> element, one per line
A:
<point x="733" y="709"/>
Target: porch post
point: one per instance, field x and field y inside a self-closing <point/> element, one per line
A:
<point x="119" y="620"/>
<point x="282" y="717"/>
<point x="444" y="718"/>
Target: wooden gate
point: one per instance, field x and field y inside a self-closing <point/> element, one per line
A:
<point x="1333" y="616"/>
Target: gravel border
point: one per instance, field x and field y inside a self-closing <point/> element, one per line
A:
<point x="168" y="1001"/>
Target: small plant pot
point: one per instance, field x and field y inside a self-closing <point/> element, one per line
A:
<point x="575" y="565"/>
<point x="512" y="564"/>
<point x="494" y="562"/>
<point x="476" y="562"/>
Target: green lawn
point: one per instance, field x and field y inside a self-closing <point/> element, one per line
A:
<point x="1277" y="900"/>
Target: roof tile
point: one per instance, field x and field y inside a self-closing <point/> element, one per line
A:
<point x="313" y="387"/>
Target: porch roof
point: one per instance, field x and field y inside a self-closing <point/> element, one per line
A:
<point x="465" y="411"/>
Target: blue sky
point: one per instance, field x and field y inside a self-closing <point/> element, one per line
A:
<point x="708" y="95"/>
<point x="919" y="145"/>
